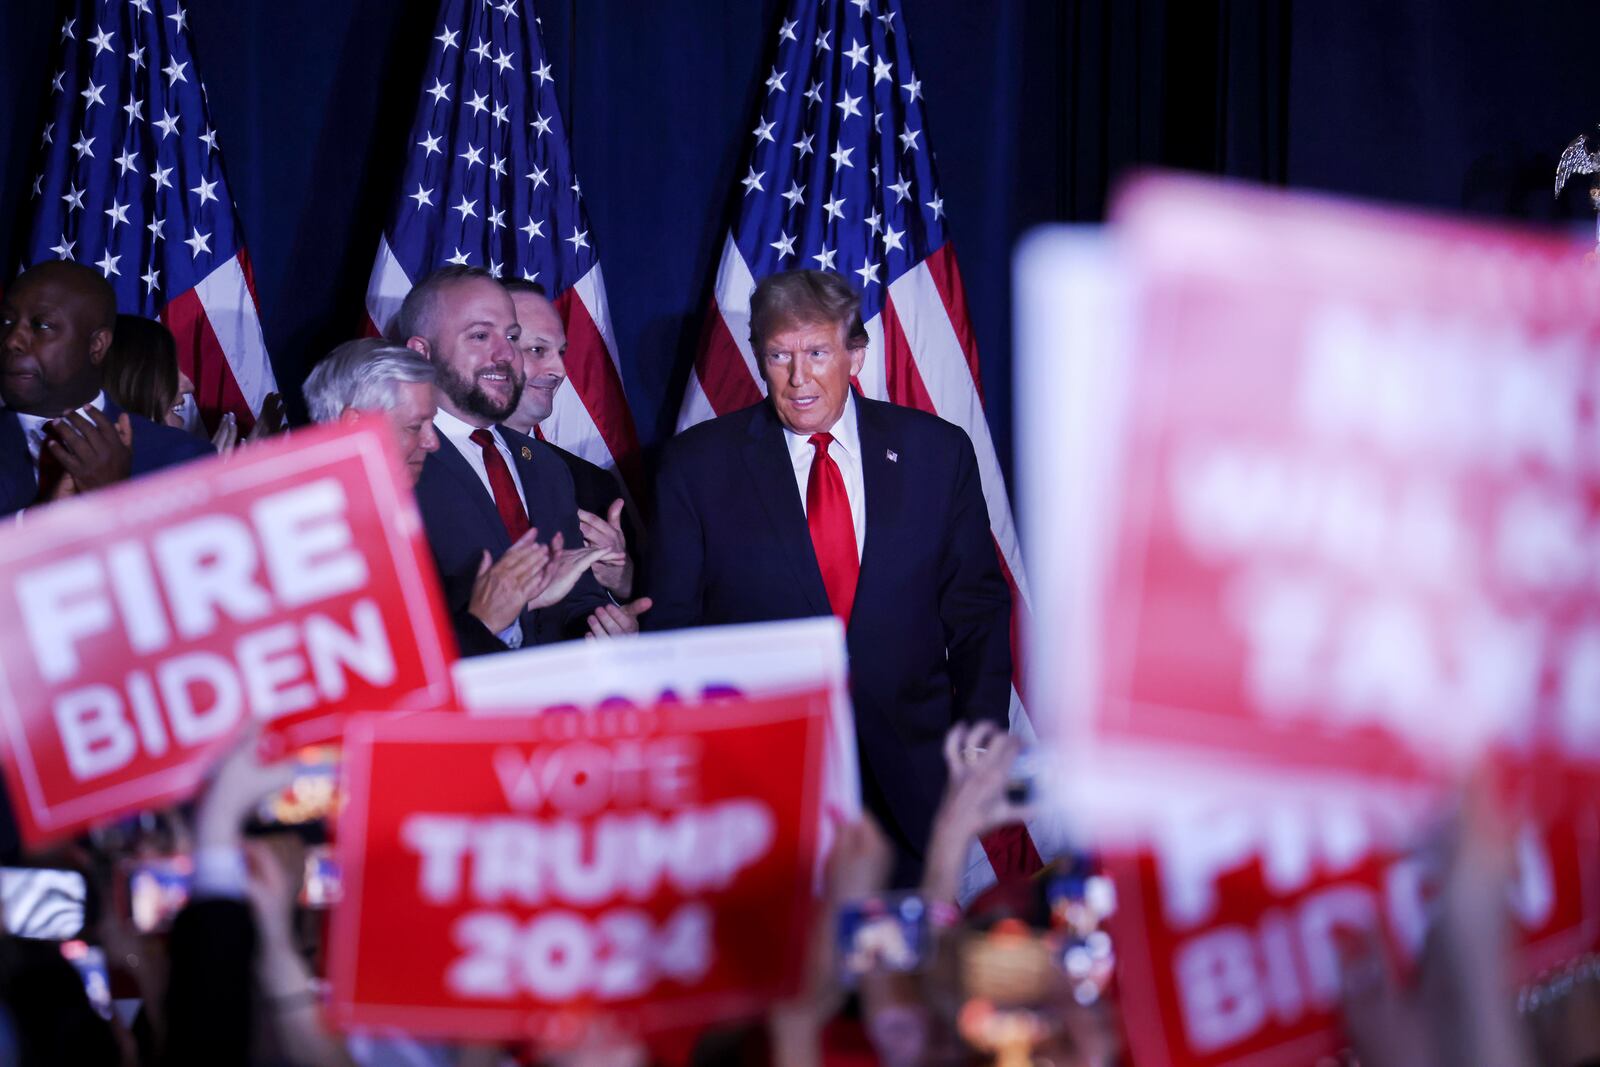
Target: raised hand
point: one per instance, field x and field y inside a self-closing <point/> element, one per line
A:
<point x="272" y="419"/>
<point x="226" y="439"/>
<point x="978" y="758"/>
<point x="617" y="577"/>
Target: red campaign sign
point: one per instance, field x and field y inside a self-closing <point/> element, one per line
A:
<point x="1227" y="939"/>
<point x="516" y="877"/>
<point x="143" y="626"/>
<point x="1325" y="509"/>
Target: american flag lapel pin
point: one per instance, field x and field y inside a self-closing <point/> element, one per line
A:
<point x="891" y="455"/>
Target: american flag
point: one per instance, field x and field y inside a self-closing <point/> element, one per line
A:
<point x="132" y="184"/>
<point x="841" y="178"/>
<point x="488" y="182"/>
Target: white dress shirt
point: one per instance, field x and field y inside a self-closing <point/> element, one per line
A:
<point x="845" y="450"/>
<point x="33" y="427"/>
<point x="459" y="433"/>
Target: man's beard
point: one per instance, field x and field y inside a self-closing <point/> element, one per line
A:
<point x="466" y="394"/>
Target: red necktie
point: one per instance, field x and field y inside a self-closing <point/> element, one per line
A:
<point x="538" y="434"/>
<point x="506" y="501"/>
<point x="50" y="469"/>
<point x="833" y="532"/>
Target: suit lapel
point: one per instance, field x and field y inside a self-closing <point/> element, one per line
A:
<point x="766" y="457"/>
<point x="881" y="482"/>
<point x="17" y="482"/>
<point x="456" y="465"/>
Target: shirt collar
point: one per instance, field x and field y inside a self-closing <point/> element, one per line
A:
<point x="846" y="432"/>
<point x="33" y="425"/>
<point x="458" y="431"/>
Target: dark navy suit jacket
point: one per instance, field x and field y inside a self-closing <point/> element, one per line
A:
<point x="154" y="447"/>
<point x="459" y="516"/>
<point x="929" y="633"/>
<point x="597" y="489"/>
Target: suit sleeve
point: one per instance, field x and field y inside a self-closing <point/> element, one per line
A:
<point x="677" y="554"/>
<point x="974" y="601"/>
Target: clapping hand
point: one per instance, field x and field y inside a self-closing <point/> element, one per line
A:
<point x="92" y="450"/>
<point x="503" y="588"/>
<point x="616" y="575"/>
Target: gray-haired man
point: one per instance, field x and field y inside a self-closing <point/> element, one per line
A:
<point x="374" y="375"/>
<point x="377" y="375"/>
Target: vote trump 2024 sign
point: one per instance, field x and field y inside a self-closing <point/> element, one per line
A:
<point x="142" y="627"/>
<point x="518" y="877"/>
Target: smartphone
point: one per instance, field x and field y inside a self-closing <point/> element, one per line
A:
<point x="321" y="887"/>
<point x="311" y="797"/>
<point x="883" y="933"/>
<point x="90" y="963"/>
<point x="158" y="888"/>
<point x="43" y="904"/>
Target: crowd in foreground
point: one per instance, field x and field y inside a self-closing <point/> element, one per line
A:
<point x="815" y="501"/>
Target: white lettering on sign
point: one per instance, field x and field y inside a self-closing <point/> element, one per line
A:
<point x="558" y="956"/>
<point x="495" y="859"/>
<point x="1447" y="389"/>
<point x="585" y="777"/>
<point x="1236" y="978"/>
<point x="196" y="576"/>
<point x="195" y="697"/>
<point x="204" y="570"/>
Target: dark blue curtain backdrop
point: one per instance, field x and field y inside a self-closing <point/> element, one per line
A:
<point x="1035" y="106"/>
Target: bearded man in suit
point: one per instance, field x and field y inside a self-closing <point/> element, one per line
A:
<point x="489" y="493"/>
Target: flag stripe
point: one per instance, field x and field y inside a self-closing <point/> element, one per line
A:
<point x="386" y="289"/>
<point x="901" y="376"/>
<point x="722" y="377"/>
<point x="598" y="387"/>
<point x="201" y="357"/>
<point x="955" y="397"/>
<point x="941" y="265"/>
<point x="230" y="313"/>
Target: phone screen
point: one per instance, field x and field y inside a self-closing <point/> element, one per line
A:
<point x="322" y="887"/>
<point x="886" y="933"/>
<point x="312" y="795"/>
<point x="158" y="888"/>
<point x="43" y="904"/>
<point x="90" y="963"/>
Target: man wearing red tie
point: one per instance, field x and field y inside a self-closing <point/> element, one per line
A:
<point x="495" y="503"/>
<point x="820" y="501"/>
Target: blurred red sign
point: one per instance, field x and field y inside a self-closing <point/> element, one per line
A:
<point x="1228" y="937"/>
<point x="1314" y="497"/>
<point x="1321" y="510"/>
<point x="518" y="877"/>
<point x="143" y="626"/>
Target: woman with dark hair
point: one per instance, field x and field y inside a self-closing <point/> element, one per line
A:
<point x="141" y="371"/>
<point x="141" y="374"/>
